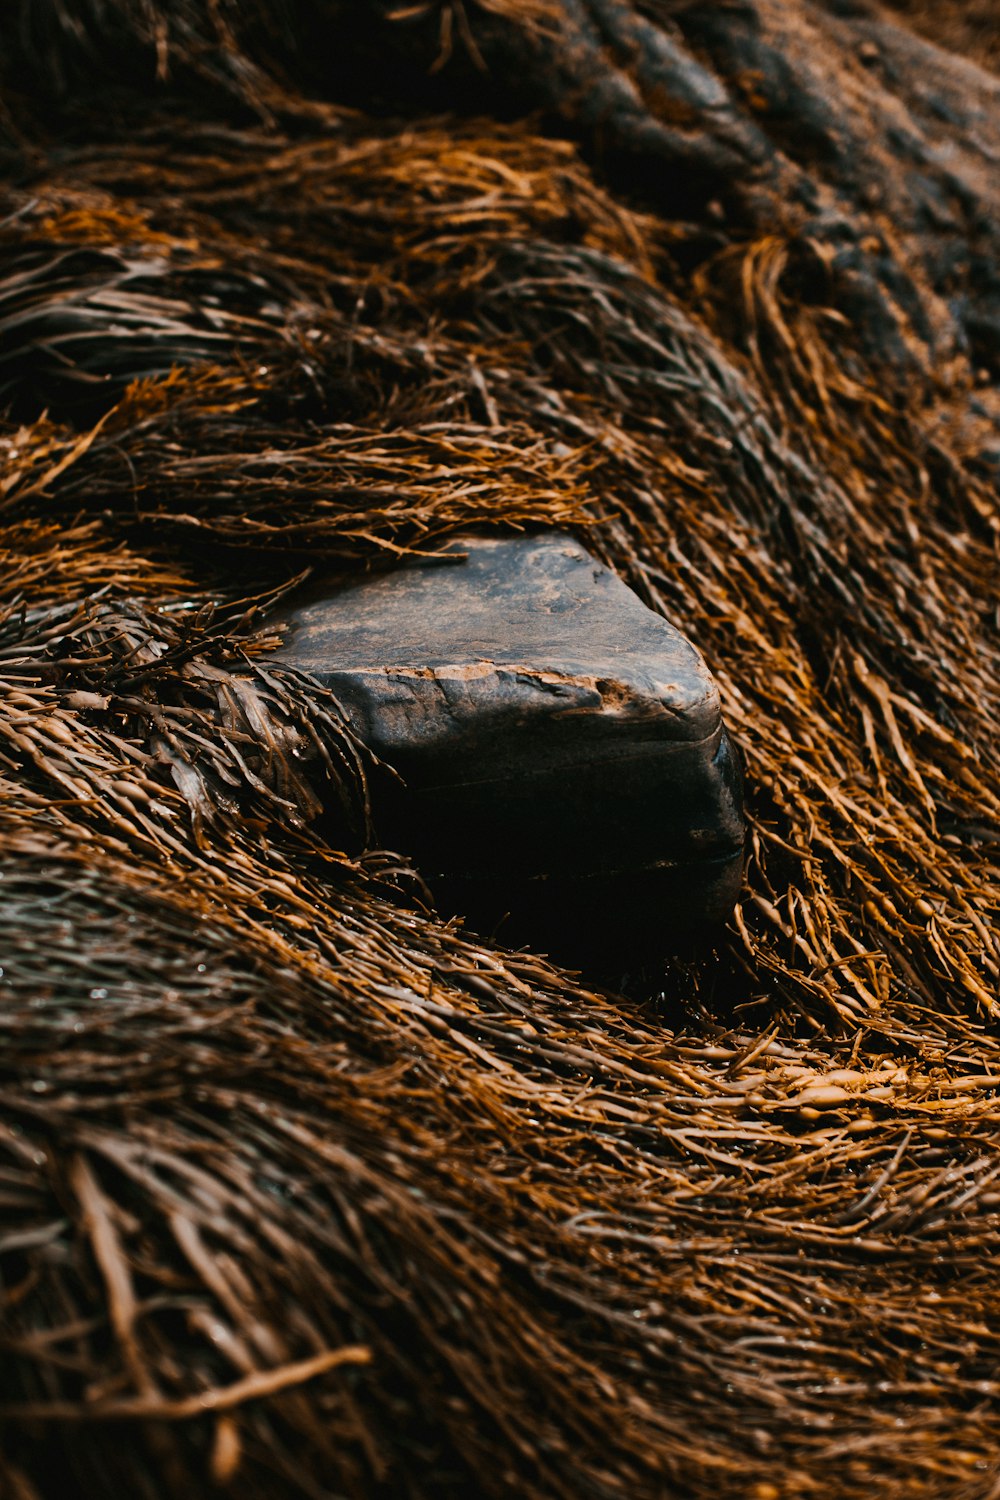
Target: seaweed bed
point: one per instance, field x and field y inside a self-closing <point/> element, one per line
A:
<point x="304" y="1191"/>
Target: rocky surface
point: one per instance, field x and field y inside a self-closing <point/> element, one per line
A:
<point x="561" y="747"/>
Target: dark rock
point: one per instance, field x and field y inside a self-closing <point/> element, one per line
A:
<point x="561" y="747"/>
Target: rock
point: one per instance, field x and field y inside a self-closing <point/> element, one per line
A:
<point x="561" y="747"/>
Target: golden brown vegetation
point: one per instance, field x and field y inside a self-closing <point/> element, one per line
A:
<point x="302" y="1190"/>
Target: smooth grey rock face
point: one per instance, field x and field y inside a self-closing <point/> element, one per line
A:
<point x="561" y="745"/>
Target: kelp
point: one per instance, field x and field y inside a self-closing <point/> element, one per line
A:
<point x="305" y="1190"/>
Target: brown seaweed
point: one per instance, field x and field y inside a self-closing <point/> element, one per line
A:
<point x="303" y="1190"/>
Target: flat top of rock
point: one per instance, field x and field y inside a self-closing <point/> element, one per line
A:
<point x="539" y="605"/>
